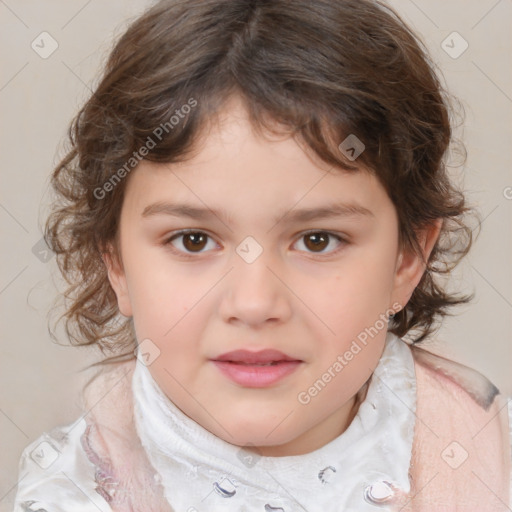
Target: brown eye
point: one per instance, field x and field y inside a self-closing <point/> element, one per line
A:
<point x="318" y="241"/>
<point x="194" y="241"/>
<point x="188" y="242"/>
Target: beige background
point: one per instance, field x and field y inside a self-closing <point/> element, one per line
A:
<point x="38" y="97"/>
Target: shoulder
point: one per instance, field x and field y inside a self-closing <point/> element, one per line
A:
<point x="55" y="474"/>
<point x="464" y="423"/>
<point x="444" y="374"/>
<point x="459" y="396"/>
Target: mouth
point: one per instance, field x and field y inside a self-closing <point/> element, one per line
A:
<point x="262" y="357"/>
<point x="273" y="363"/>
<point x="256" y="369"/>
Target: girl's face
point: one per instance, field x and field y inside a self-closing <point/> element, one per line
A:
<point x="286" y="254"/>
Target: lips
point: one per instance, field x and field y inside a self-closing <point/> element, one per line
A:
<point x="263" y="357"/>
<point x="256" y="369"/>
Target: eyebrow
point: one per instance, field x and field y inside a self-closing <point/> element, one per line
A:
<point x="293" y="216"/>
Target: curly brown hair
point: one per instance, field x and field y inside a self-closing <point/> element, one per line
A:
<point x="323" y="69"/>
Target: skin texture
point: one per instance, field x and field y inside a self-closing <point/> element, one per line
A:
<point x="308" y="301"/>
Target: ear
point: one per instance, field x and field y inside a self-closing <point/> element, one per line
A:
<point x="410" y="267"/>
<point x="117" y="279"/>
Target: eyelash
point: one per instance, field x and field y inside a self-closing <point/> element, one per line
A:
<point x="177" y="234"/>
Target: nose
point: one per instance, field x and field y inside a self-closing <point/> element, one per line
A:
<point x="255" y="293"/>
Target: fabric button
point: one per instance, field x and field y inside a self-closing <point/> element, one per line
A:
<point x="326" y="474"/>
<point x="227" y="490"/>
<point x="379" y="492"/>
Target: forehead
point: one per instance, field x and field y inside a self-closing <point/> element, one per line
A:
<point x="236" y="171"/>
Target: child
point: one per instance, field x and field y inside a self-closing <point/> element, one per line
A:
<point x="298" y="148"/>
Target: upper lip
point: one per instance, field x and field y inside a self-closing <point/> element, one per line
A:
<point x="262" y="356"/>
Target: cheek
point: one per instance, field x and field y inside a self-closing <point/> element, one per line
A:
<point x="162" y="291"/>
<point x="353" y="305"/>
<point x="361" y="287"/>
<point x="163" y="311"/>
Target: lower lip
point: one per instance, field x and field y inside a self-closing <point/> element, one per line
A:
<point x="254" y="376"/>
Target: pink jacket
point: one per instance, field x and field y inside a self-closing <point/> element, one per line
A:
<point x="461" y="450"/>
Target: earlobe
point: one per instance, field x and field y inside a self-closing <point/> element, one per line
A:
<point x="117" y="279"/>
<point x="410" y="266"/>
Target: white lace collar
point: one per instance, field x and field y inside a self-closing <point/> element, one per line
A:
<point x="364" y="466"/>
